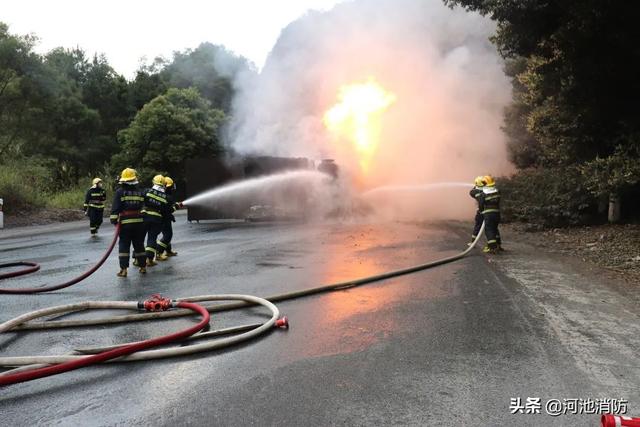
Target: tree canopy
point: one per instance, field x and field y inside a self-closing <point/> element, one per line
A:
<point x="75" y="115"/>
<point x="575" y="85"/>
<point x="168" y="130"/>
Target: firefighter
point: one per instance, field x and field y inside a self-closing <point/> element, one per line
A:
<point x="490" y="209"/>
<point x="475" y="192"/>
<point x="94" y="205"/>
<point x="156" y="213"/>
<point x="164" y="243"/>
<point x="127" y="208"/>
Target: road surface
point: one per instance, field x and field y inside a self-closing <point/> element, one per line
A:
<point x="455" y="345"/>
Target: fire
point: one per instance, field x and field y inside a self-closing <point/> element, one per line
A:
<point x="357" y="117"/>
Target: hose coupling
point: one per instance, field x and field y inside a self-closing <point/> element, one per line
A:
<point x="156" y="302"/>
<point x="282" y="322"/>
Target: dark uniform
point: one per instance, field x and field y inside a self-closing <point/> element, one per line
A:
<point x="164" y="243"/>
<point x="94" y="207"/>
<point x="127" y="208"/>
<point x="490" y="209"/>
<point x="476" y="192"/>
<point x="156" y="212"/>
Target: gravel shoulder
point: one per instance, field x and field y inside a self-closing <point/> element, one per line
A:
<point x="614" y="248"/>
<point x="42" y="216"/>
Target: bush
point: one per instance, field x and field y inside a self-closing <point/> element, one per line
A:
<point x="68" y="199"/>
<point x="26" y="185"/>
<point x="548" y="197"/>
<point x="23" y="186"/>
<point x="73" y="198"/>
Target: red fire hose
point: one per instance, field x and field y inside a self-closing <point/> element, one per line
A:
<point x="32" y="268"/>
<point x="35" y="267"/>
<point x="609" y="420"/>
<point x="112" y="354"/>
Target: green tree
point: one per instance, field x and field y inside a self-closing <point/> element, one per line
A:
<point x="70" y="64"/>
<point x="20" y="94"/>
<point x="147" y="84"/>
<point x="523" y="148"/>
<point x="168" y="130"/>
<point x="210" y="68"/>
<point x="577" y="91"/>
<point x="107" y="92"/>
<point x="65" y="132"/>
<point x="71" y="140"/>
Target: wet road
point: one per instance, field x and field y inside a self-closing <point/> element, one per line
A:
<point x="447" y="346"/>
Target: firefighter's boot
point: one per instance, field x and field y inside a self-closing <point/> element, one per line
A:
<point x="122" y="272"/>
<point x="489" y="250"/>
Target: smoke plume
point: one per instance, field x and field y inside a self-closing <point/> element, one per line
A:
<point x="445" y="75"/>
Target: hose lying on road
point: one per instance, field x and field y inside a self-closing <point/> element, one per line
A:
<point x="38" y="367"/>
<point x="45" y="371"/>
<point x="35" y="267"/>
<point x="54" y="324"/>
<point x="245" y="301"/>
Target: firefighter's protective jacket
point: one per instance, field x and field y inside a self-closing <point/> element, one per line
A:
<point x="95" y="198"/>
<point x="489" y="200"/>
<point x="127" y="205"/>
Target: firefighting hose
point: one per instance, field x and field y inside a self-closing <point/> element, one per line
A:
<point x="32" y="367"/>
<point x="33" y="267"/>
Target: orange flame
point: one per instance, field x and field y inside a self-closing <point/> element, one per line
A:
<point x="357" y="117"/>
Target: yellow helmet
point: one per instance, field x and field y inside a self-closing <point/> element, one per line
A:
<point x="96" y="181"/>
<point x="128" y="175"/>
<point x="479" y="181"/>
<point x="489" y="181"/>
<point x="168" y="182"/>
<point x="158" y="180"/>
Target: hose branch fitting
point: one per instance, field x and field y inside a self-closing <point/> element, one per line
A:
<point x="156" y="302"/>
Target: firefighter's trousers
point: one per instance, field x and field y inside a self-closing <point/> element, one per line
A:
<point x="95" y="219"/>
<point x="491" y="222"/>
<point x="132" y="235"/>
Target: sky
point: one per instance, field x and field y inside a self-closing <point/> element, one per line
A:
<point x="127" y="30"/>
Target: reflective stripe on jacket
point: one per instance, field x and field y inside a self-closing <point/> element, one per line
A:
<point x="127" y="204"/>
<point x="490" y="200"/>
<point x="95" y="198"/>
<point x="156" y="205"/>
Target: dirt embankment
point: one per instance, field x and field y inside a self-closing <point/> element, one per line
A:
<point x="614" y="247"/>
<point x="42" y="217"/>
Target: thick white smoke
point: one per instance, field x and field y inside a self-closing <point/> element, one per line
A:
<point x="447" y="78"/>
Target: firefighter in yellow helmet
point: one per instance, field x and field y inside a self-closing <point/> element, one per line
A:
<point x="489" y="202"/>
<point x="156" y="212"/>
<point x="94" y="205"/>
<point x="126" y="209"/>
<point x="164" y="243"/>
<point x="476" y="192"/>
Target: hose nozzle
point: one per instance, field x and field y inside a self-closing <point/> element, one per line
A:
<point x="282" y="322"/>
<point x="180" y="205"/>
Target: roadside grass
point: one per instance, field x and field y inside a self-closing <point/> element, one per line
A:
<point x="72" y="198"/>
<point x="26" y="187"/>
<point x="21" y="188"/>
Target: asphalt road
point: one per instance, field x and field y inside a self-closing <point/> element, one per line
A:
<point x="449" y="346"/>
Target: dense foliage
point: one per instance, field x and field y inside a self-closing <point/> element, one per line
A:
<point x="548" y="197"/>
<point x="575" y="88"/>
<point x="170" y="128"/>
